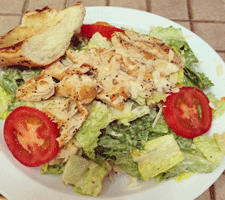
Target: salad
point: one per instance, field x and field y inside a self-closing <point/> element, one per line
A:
<point x="144" y="137"/>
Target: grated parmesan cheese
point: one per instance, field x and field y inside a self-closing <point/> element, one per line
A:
<point x="219" y="70"/>
<point x="171" y="55"/>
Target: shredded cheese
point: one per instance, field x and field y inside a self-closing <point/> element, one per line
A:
<point x="158" y="116"/>
<point x="219" y="70"/>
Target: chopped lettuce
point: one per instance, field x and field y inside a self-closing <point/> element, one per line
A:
<point x="135" y="113"/>
<point x="111" y="148"/>
<point x="84" y="175"/>
<point x="28" y="74"/>
<point x="10" y="80"/>
<point x="209" y="148"/>
<point x="118" y="140"/>
<point x="6" y="100"/>
<point x="196" y="79"/>
<point x="183" y="176"/>
<point x="220" y="140"/>
<point x="8" y="103"/>
<point x="194" y="162"/>
<point x="52" y="169"/>
<point x="191" y="163"/>
<point x="218" y="104"/>
<point x="98" y="41"/>
<point x="98" y="119"/>
<point x="100" y="115"/>
<point x="174" y="38"/>
<point x="156" y="97"/>
<point x="158" y="156"/>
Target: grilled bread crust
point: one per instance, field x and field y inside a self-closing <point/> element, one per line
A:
<point x="42" y="37"/>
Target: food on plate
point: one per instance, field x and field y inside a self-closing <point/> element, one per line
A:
<point x="31" y="136"/>
<point x="121" y="101"/>
<point x="42" y="37"/>
<point x="105" y="29"/>
<point x="188" y="112"/>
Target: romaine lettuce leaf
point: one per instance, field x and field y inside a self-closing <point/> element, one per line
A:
<point x="100" y="115"/>
<point x="209" y="148"/>
<point x="8" y="103"/>
<point x="117" y="140"/>
<point x="219" y="105"/>
<point x="52" y="169"/>
<point x="196" y="79"/>
<point x="112" y="149"/>
<point x="183" y="176"/>
<point x="6" y="100"/>
<point x="84" y="175"/>
<point x="98" y="118"/>
<point x="191" y="163"/>
<point x="10" y="80"/>
<point x="158" y="156"/>
<point x="98" y="41"/>
<point x="220" y="140"/>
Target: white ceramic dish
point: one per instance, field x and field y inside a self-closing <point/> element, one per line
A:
<point x="21" y="183"/>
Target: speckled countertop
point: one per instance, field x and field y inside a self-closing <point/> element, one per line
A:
<point x="206" y="18"/>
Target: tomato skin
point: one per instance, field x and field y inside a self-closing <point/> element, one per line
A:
<point x="89" y="30"/>
<point x="181" y="112"/>
<point x="35" y="145"/>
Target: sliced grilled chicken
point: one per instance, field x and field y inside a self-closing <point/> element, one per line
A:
<point x="67" y="114"/>
<point x="56" y="70"/>
<point x="37" y="89"/>
<point x="82" y="89"/>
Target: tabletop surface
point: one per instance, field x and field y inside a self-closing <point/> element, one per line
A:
<point x="205" y="18"/>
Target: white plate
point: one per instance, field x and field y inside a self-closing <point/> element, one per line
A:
<point x="20" y="183"/>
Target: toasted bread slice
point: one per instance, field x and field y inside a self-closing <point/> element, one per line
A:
<point x="42" y="37"/>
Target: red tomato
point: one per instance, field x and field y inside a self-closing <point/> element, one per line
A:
<point x="105" y="30"/>
<point x="188" y="112"/>
<point x="31" y="136"/>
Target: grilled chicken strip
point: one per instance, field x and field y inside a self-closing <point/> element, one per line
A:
<point x="82" y="89"/>
<point x="37" y="89"/>
<point x="68" y="115"/>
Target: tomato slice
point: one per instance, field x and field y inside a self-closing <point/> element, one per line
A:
<point x="105" y="29"/>
<point x="31" y="136"/>
<point x="188" y="112"/>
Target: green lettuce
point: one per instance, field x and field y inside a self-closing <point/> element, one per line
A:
<point x="196" y="79"/>
<point x="84" y="175"/>
<point x="8" y="103"/>
<point x="191" y="163"/>
<point x="194" y="162"/>
<point x="220" y="140"/>
<point x="209" y="148"/>
<point x="219" y="105"/>
<point x="10" y="80"/>
<point x="53" y="169"/>
<point x="118" y="140"/>
<point x="6" y="100"/>
<point x="100" y="115"/>
<point x="158" y="156"/>
<point x="98" y="119"/>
